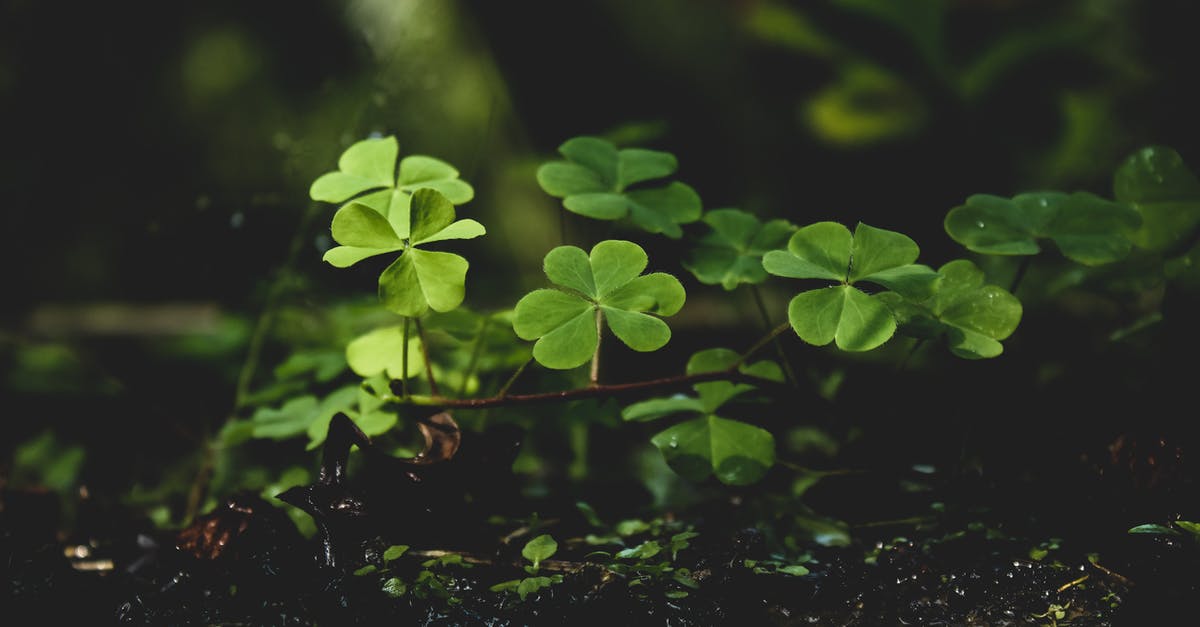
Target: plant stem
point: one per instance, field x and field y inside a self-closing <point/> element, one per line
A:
<point x="513" y="379"/>
<point x="767" y="339"/>
<point x="476" y="351"/>
<point x="404" y="361"/>
<point x="1022" y="268"/>
<point x="433" y="386"/>
<point x="788" y="374"/>
<point x="594" y="377"/>
<point x="617" y="389"/>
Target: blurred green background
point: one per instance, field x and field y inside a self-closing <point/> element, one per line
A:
<point x="157" y="158"/>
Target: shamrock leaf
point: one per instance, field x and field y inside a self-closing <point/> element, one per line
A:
<point x="1086" y="228"/>
<point x="594" y="182"/>
<point x="843" y="313"/>
<point x="370" y="165"/>
<point x="699" y="447"/>
<point x="419" y="279"/>
<point x="973" y="316"/>
<point x="1155" y="181"/>
<point x="606" y="286"/>
<point x="382" y="352"/>
<point x="732" y="252"/>
<point x="737" y="453"/>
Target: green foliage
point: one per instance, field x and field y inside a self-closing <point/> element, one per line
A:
<point x="418" y="279"/>
<point x="735" y="452"/>
<point x="971" y="315"/>
<point x="594" y="181"/>
<point x="607" y="286"/>
<point x="370" y="166"/>
<point x="1086" y="228"/>
<point x="731" y="253"/>
<point x="844" y="313"/>
<point x="536" y="550"/>
<point x="1155" y="182"/>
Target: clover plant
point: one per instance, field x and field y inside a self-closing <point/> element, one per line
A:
<point x="843" y="313"/>
<point x="594" y="181"/>
<point x="604" y="287"/>
<point x="731" y="253"/>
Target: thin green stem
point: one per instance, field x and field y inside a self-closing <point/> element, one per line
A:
<point x="594" y="377"/>
<point x="788" y="373"/>
<point x="404" y="360"/>
<point x="476" y="352"/>
<point x="1022" y="268"/>
<point x="513" y="379"/>
<point x="433" y="386"/>
<point x="776" y="332"/>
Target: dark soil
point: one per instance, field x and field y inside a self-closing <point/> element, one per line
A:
<point x="953" y="563"/>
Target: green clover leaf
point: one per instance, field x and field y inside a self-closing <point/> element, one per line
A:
<point x="607" y="286"/>
<point x="370" y="165"/>
<point x="731" y="254"/>
<point x="696" y="448"/>
<point x="735" y="452"/>
<point x="842" y="313"/>
<point x="419" y="279"/>
<point x="1155" y="181"/>
<point x="595" y="178"/>
<point x="972" y="315"/>
<point x="1086" y="228"/>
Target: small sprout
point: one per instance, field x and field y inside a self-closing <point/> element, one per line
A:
<point x="365" y="570"/>
<point x="538" y="549"/>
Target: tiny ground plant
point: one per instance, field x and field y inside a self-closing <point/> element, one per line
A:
<point x="537" y="550"/>
<point x="859" y="289"/>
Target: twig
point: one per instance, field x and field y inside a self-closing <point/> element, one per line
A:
<point x="1071" y="584"/>
<point x="777" y="331"/>
<point x="1022" y="268"/>
<point x="476" y="351"/>
<point x="618" y="389"/>
<point x="1115" y="575"/>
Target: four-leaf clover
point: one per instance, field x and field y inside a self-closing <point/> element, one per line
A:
<point x="843" y="313"/>
<point x="595" y="178"/>
<point x="604" y="286"/>
<point x="419" y="279"/>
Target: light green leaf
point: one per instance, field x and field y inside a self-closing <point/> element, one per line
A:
<point x="459" y="229"/>
<point x="638" y="331"/>
<point x="856" y="321"/>
<point x="635" y="165"/>
<point x="595" y="154"/>
<point x="382" y="352"/>
<point x="876" y="250"/>
<point x="366" y="165"/>
<point x="615" y="263"/>
<point x="541" y="311"/>
<point x="714" y="394"/>
<point x="913" y="280"/>
<point x="658" y="293"/>
<point x="540" y="548"/>
<point x="817" y="251"/>
<point x="570" y="345"/>
<point x="1157" y="183"/>
<point x="562" y="180"/>
<point x="601" y="206"/>
<point x="430" y="212"/>
<point x="442" y="277"/>
<point x="737" y="453"/>
<point x="1093" y="231"/>
<point x="419" y="171"/>
<point x="346" y="256"/>
<point x="570" y="267"/>
<point x="362" y="227"/>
